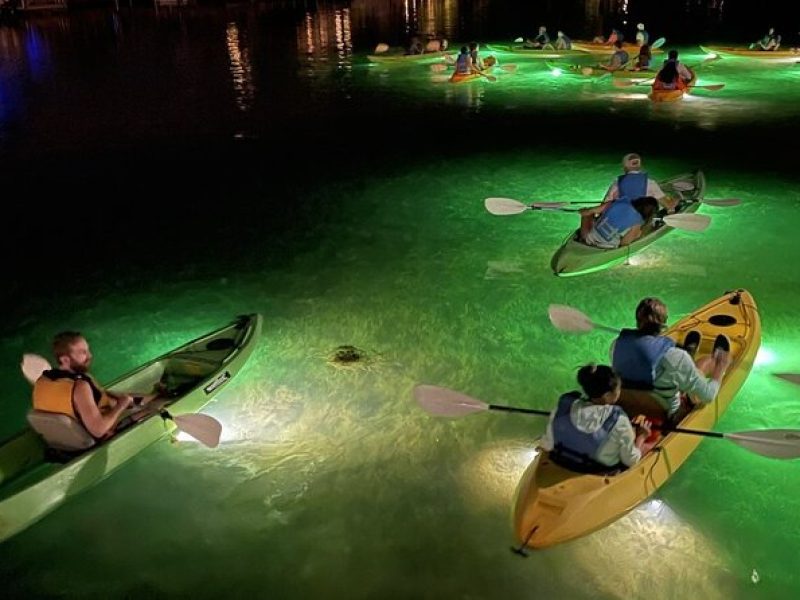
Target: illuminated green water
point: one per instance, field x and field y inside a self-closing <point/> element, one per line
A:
<point x="333" y="483"/>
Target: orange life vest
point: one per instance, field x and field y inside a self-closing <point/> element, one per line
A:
<point x="53" y="392"/>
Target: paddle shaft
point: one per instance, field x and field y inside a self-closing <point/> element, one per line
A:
<point x="530" y="411"/>
<point x="667" y="429"/>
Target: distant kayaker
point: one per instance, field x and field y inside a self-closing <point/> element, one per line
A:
<point x="771" y="41"/>
<point x="622" y="223"/>
<point x="436" y="43"/>
<point x="683" y="71"/>
<point x="642" y="61"/>
<point x="642" y="37"/>
<point x="69" y="388"/>
<point x="618" y="60"/>
<point x="540" y="41"/>
<point x="614" y="37"/>
<point x="633" y="183"/>
<point x="464" y="62"/>
<point x="660" y="371"/>
<point x="563" y="42"/>
<point x="415" y="46"/>
<point x="588" y="432"/>
<point x="477" y="63"/>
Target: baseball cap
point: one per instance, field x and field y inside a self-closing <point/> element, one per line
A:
<point x="631" y="161"/>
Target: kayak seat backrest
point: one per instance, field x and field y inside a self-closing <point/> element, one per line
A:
<point x="60" y="431"/>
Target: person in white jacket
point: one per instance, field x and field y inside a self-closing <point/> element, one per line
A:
<point x="587" y="432"/>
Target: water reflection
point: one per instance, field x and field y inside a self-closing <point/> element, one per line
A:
<point x="241" y="68"/>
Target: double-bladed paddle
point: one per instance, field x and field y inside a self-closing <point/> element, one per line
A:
<point x="508" y="206"/>
<point x="772" y="443"/>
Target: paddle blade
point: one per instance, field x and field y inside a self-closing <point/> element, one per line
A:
<point x="519" y="40"/>
<point x="688" y="222"/>
<point x="444" y="402"/>
<point x="491" y="78"/>
<point x="658" y="43"/>
<point x="790" y="377"/>
<point x="509" y="68"/>
<point x="204" y="429"/>
<point x="683" y="186"/>
<point x="714" y="87"/>
<point x="33" y="366"/>
<point x="623" y="83"/>
<point x="381" y="48"/>
<point x="723" y="202"/>
<point x="438" y="67"/>
<point x="774" y="443"/>
<point x="504" y="206"/>
<point x="567" y="318"/>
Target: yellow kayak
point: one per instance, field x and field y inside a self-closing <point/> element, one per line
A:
<point x="672" y="95"/>
<point x="607" y="50"/>
<point x="554" y="505"/>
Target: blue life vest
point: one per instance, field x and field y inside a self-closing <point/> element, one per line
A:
<point x="573" y="448"/>
<point x="461" y="64"/>
<point x="615" y="221"/>
<point x="621" y="58"/>
<point x="636" y="357"/>
<point x="632" y="186"/>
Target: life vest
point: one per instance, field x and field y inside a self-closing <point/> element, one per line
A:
<point x="642" y="38"/>
<point x="619" y="58"/>
<point x="573" y="448"/>
<point x="53" y="392"/>
<point x="632" y="186"/>
<point x="615" y="221"/>
<point x="462" y="66"/>
<point x="542" y="39"/>
<point x="636" y="357"/>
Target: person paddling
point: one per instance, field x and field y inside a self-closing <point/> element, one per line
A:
<point x="618" y="60"/>
<point x="587" y="432"/>
<point x="659" y="379"/>
<point x="622" y="223"/>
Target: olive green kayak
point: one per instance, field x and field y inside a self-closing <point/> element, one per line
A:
<point x="35" y="480"/>
<point x="576" y="258"/>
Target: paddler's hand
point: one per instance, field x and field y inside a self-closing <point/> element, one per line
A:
<point x="641" y="425"/>
<point x="587" y="212"/>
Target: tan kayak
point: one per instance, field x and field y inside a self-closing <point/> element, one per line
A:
<point x="554" y="505"/>
<point x="745" y="52"/>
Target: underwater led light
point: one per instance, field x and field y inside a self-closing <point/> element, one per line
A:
<point x="765" y="356"/>
<point x="556" y="72"/>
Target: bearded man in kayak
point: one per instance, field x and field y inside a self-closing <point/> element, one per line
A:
<point x="588" y="432"/>
<point x="656" y="374"/>
<point x="69" y="388"/>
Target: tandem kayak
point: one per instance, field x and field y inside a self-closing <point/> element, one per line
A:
<point x="547" y="54"/>
<point x="553" y="504"/>
<point x="462" y="78"/>
<point x="597" y="71"/>
<point x="399" y="57"/>
<point x="672" y="95"/>
<point x="745" y="52"/>
<point x="576" y="258"/>
<point x="35" y="480"/>
<point x="606" y="50"/>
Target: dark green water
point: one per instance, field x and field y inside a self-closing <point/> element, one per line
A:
<point x="173" y="174"/>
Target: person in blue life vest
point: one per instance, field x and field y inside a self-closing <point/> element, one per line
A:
<point x="632" y="184"/>
<point x="464" y="64"/>
<point x="618" y="60"/>
<point x="659" y="379"/>
<point x="622" y="223"/>
<point x="563" y="42"/>
<point x="540" y="41"/>
<point x="642" y="37"/>
<point x="588" y="432"/>
<point x="69" y="389"/>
